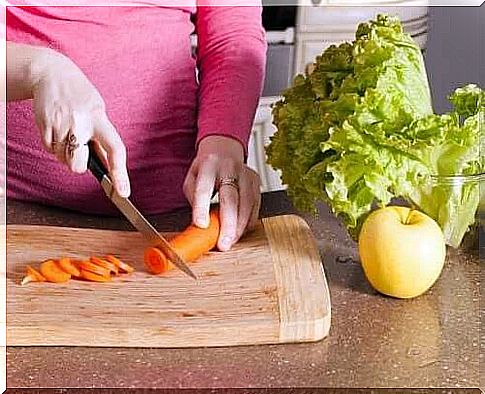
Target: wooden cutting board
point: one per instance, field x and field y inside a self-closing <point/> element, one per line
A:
<point x="270" y="288"/>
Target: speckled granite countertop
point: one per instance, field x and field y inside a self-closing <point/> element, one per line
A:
<point x="431" y="341"/>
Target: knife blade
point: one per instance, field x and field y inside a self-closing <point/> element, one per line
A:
<point x="134" y="216"/>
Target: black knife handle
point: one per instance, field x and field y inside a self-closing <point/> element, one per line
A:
<point x="95" y="165"/>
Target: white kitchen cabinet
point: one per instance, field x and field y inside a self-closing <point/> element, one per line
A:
<point x="263" y="129"/>
<point x="345" y="17"/>
<point x="309" y="47"/>
<point x="321" y="23"/>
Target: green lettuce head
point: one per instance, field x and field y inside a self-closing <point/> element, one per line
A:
<point x="360" y="129"/>
<point x="376" y="84"/>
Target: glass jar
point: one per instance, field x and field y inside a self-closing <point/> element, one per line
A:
<point x="460" y="198"/>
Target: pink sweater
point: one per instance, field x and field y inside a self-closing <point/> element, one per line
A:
<point x="140" y="60"/>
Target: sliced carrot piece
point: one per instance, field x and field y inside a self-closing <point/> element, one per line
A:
<point x="35" y="273"/>
<point x="155" y="261"/>
<point x="69" y="266"/>
<point x="51" y="270"/>
<point x="120" y="264"/>
<point x="93" y="268"/>
<point x="105" y="264"/>
<point x="32" y="276"/>
<point x="92" y="277"/>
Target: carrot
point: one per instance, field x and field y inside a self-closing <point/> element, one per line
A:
<point x="105" y="264"/>
<point x="93" y="268"/>
<point x="120" y="264"/>
<point x="87" y="275"/>
<point x="69" y="266"/>
<point x="32" y="276"/>
<point x="190" y="244"/>
<point x="51" y="270"/>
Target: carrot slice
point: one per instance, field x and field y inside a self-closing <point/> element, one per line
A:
<point x="155" y="261"/>
<point x="105" y="264"/>
<point x="32" y="276"/>
<point x="68" y="266"/>
<point x="120" y="264"/>
<point x="51" y="270"/>
<point x="93" y="268"/>
<point x="190" y="244"/>
<point x="92" y="277"/>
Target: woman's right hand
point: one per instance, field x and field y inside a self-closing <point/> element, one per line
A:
<point x="67" y="104"/>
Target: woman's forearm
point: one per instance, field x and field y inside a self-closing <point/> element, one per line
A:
<point x="24" y="67"/>
<point x="232" y="59"/>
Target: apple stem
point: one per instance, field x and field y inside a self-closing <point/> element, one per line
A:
<point x="409" y="215"/>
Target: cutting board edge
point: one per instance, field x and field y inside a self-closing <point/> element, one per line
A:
<point x="168" y="342"/>
<point x="313" y="321"/>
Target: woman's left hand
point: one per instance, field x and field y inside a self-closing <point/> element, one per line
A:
<point x="219" y="165"/>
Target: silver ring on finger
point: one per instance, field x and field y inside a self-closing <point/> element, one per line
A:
<point x="228" y="181"/>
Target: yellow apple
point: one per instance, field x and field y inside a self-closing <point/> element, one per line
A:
<point x="402" y="251"/>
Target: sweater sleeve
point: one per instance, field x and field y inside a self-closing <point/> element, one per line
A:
<point x="231" y="58"/>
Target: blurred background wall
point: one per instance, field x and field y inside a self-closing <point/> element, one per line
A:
<point x="455" y="52"/>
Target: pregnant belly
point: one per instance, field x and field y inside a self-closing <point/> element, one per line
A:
<point x="157" y="167"/>
<point x="141" y="63"/>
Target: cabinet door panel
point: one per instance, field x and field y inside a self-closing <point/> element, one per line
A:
<point x="263" y="129"/>
<point x="311" y="47"/>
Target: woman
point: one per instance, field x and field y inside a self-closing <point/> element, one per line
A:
<point x="126" y="78"/>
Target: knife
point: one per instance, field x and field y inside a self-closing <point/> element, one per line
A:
<point x="98" y="169"/>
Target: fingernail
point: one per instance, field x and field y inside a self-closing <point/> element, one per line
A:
<point x="123" y="187"/>
<point x="201" y="221"/>
<point x="78" y="168"/>
<point x="226" y="242"/>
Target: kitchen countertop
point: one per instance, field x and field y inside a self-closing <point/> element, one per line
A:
<point x="374" y="341"/>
